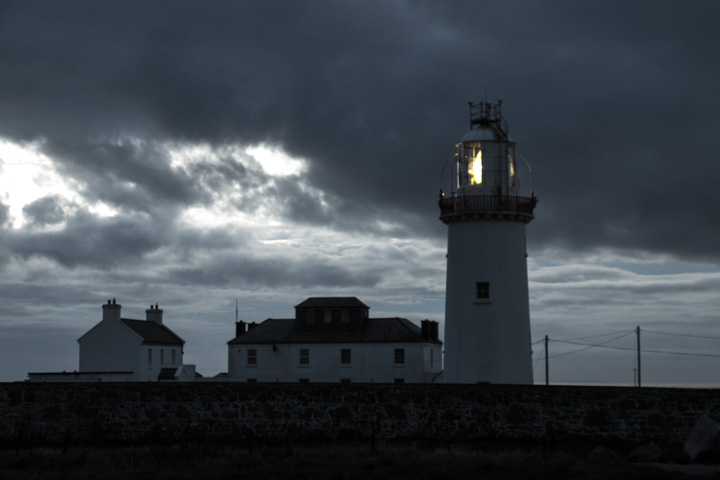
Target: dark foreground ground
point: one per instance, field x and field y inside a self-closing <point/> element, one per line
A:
<point x="360" y="461"/>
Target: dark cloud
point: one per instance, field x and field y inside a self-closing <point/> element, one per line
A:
<point x="4" y="214"/>
<point x="614" y="104"/>
<point x="129" y="174"/>
<point x="89" y="240"/>
<point x="45" y="211"/>
<point x="251" y="272"/>
<point x="615" y="112"/>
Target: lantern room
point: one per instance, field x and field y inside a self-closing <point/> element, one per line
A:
<point x="485" y="159"/>
<point x="485" y="178"/>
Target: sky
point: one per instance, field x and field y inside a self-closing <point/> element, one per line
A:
<point x="198" y="154"/>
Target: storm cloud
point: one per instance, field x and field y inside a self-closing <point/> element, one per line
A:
<point x="144" y="110"/>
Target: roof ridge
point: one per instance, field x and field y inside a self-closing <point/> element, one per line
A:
<point x="406" y="326"/>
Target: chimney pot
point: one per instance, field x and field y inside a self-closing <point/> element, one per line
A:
<point x="154" y="314"/>
<point x="111" y="311"/>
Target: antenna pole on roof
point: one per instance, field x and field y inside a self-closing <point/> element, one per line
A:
<point x="236" y="310"/>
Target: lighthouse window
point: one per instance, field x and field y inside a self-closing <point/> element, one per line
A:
<point x="482" y="290"/>
<point x="475" y="169"/>
<point x="511" y="162"/>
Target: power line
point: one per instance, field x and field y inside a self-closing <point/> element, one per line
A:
<point x="666" y="352"/>
<point x="583" y="338"/>
<point x="599" y="335"/>
<point x="540" y="356"/>
<point x="681" y="335"/>
<point x="589" y="346"/>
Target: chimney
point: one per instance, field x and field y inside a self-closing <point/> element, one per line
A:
<point x="426" y="329"/>
<point x="252" y="325"/>
<point x="240" y="328"/>
<point x="111" y="311"/>
<point x="434" y="330"/>
<point x="154" y="314"/>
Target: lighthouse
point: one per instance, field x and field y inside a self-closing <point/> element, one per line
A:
<point x="487" y="314"/>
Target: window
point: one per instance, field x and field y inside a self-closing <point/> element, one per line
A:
<point x="149" y="356"/>
<point x="162" y="356"/>
<point x="345" y="356"/>
<point x="399" y="355"/>
<point x="304" y="356"/>
<point x="482" y="290"/>
<point x="432" y="358"/>
<point x="173" y="357"/>
<point x="252" y="356"/>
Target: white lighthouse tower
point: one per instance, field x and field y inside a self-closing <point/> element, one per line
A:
<point x="487" y="317"/>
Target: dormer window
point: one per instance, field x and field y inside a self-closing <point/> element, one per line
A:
<point x="325" y="313"/>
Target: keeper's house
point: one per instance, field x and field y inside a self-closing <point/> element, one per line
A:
<point x="124" y="350"/>
<point x="333" y="339"/>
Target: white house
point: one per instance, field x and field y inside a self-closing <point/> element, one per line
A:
<point x="335" y="340"/>
<point x="124" y="349"/>
<point x="144" y="347"/>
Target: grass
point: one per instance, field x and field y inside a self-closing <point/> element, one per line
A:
<point x="346" y="461"/>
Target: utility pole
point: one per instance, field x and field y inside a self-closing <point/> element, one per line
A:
<point x="547" y="364"/>
<point x="639" y="382"/>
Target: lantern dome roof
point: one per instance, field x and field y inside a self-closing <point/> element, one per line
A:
<point x="483" y="134"/>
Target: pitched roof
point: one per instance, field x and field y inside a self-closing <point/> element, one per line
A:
<point x="153" y="333"/>
<point x="376" y="330"/>
<point x="329" y="302"/>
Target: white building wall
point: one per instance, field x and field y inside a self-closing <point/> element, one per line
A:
<point x="487" y="341"/>
<point x="81" y="377"/>
<point x="109" y="347"/>
<point x="369" y="363"/>
<point x="153" y="358"/>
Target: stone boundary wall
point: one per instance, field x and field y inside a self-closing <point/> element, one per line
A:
<point x="39" y="413"/>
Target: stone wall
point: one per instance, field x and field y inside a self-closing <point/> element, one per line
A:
<point x="130" y="412"/>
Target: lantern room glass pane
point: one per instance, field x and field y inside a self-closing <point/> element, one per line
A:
<point x="470" y="164"/>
